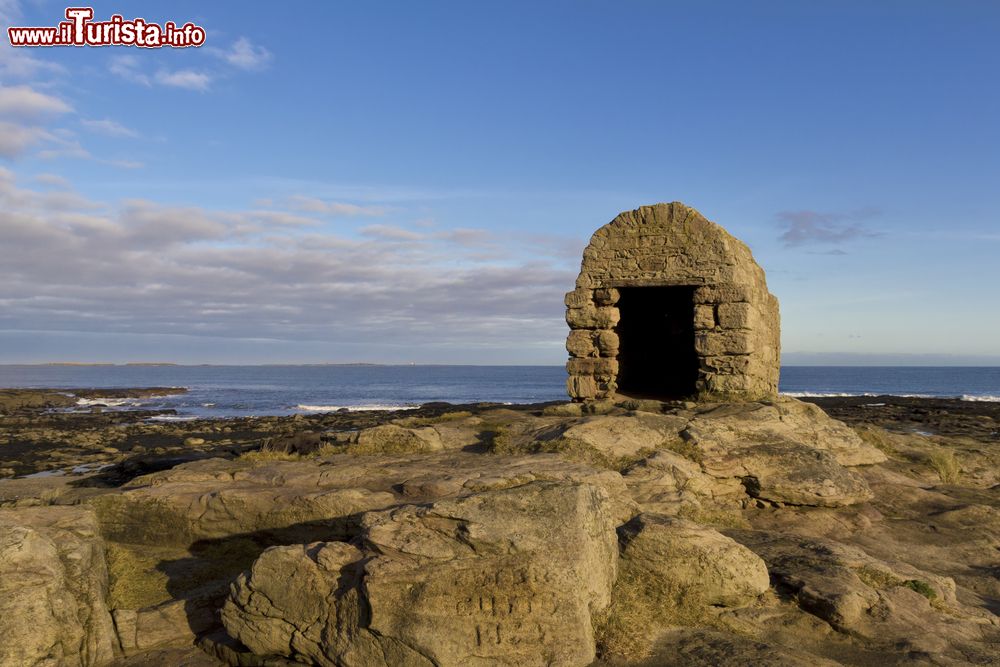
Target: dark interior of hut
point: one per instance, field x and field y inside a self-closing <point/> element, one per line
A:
<point x="657" y="358"/>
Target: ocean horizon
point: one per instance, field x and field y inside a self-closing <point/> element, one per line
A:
<point x="285" y="389"/>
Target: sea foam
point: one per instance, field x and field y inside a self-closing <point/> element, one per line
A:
<point x="353" y="408"/>
<point x="110" y="402"/>
<point x="822" y="394"/>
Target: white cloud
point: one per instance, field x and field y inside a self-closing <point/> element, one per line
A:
<point x="142" y="267"/>
<point x="127" y="67"/>
<point x="390" y="233"/>
<point x="10" y="11"/>
<point x="28" y="102"/>
<point x="280" y="218"/>
<point x="17" y="136"/>
<point x="184" y="78"/>
<point x="15" y="139"/>
<point x="17" y="64"/>
<point x="332" y="208"/>
<point x="53" y="180"/>
<point x="808" y="226"/>
<point x="245" y="55"/>
<point x="109" y="127"/>
<point x="468" y="237"/>
<point x="124" y="164"/>
<point x="63" y="145"/>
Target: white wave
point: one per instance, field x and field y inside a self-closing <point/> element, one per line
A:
<point x="172" y="418"/>
<point x="110" y="402"/>
<point x="833" y="394"/>
<point x="46" y="473"/>
<point x="90" y="467"/>
<point x="353" y="408"/>
<point x="988" y="398"/>
<point x="76" y="470"/>
<point x="128" y="401"/>
<point x="821" y="394"/>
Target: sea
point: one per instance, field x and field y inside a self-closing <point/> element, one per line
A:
<point x="239" y="391"/>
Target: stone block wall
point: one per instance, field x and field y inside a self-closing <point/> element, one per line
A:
<point x="736" y="320"/>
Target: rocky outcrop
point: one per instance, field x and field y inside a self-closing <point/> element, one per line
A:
<point x="783" y="451"/>
<point x="176" y="623"/>
<point x="219" y="503"/>
<point x="505" y="577"/>
<point x="693" y="561"/>
<point x="618" y="436"/>
<point x="394" y="439"/>
<point x="777" y="451"/>
<point x="53" y="589"/>
<point x="302" y="501"/>
<point x="785" y="472"/>
<point x="730" y="426"/>
<point x="712" y="534"/>
<point x="670" y="483"/>
<point x="887" y="604"/>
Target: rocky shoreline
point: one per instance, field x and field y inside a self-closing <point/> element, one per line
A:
<point x="636" y="533"/>
<point x="936" y="416"/>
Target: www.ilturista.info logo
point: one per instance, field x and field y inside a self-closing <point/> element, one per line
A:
<point x="81" y="30"/>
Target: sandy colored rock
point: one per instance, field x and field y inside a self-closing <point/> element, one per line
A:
<point x="505" y="577"/>
<point x="295" y="595"/>
<point x="302" y="501"/>
<point x="53" y="587"/>
<point x="669" y="483"/>
<point x="580" y="343"/>
<point x="393" y="439"/>
<point x="734" y="424"/>
<point x="783" y="451"/>
<point x="619" y="436"/>
<point x="207" y="503"/>
<point x="191" y="656"/>
<point x="693" y="560"/>
<point x="687" y="647"/>
<point x="786" y="472"/>
<point x="905" y="577"/>
<point x="174" y="623"/>
<point x="888" y="604"/>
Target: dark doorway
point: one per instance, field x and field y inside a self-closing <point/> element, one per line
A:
<point x="656" y="347"/>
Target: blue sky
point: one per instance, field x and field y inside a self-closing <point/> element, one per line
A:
<point x="399" y="181"/>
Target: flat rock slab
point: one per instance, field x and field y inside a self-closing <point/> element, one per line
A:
<point x="624" y="436"/>
<point x="311" y="500"/>
<point x="730" y="425"/>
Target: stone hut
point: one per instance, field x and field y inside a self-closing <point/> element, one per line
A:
<point x="669" y="305"/>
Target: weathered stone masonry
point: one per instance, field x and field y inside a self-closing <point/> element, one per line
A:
<point x="731" y="319"/>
